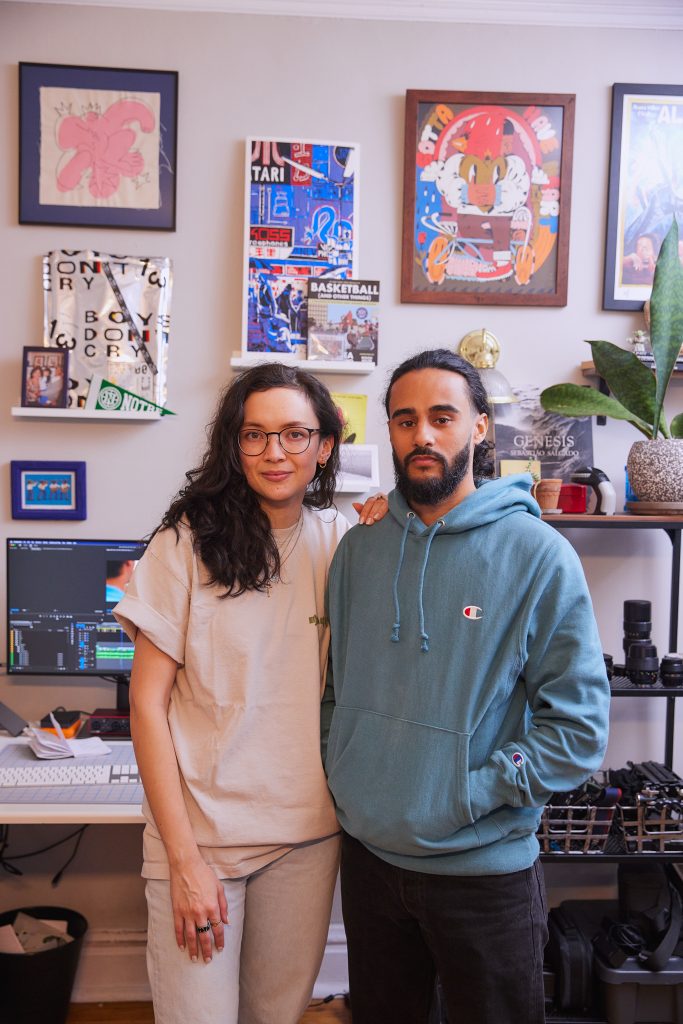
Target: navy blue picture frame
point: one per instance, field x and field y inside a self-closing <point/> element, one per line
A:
<point x="31" y="211"/>
<point x="45" y="504"/>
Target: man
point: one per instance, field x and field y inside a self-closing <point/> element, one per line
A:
<point x="639" y="266"/>
<point x="119" y="575"/>
<point x="469" y="685"/>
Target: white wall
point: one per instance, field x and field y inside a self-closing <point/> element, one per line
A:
<point x="296" y="77"/>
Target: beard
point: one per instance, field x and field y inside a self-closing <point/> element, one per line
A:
<point x="435" y="489"/>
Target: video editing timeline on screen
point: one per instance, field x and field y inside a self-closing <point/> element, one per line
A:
<point x="60" y="594"/>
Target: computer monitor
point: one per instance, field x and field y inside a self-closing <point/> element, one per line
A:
<point x="60" y="596"/>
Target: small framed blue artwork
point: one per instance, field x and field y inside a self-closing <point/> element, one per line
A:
<point x="48" y="490"/>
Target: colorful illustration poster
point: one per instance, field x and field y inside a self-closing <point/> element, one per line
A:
<point x="528" y="435"/>
<point x="301" y="223"/>
<point x="486" y="207"/>
<point x="343" y="320"/>
<point x="650" y="193"/>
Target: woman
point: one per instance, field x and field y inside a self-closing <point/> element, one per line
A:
<point x="33" y="386"/>
<point x="227" y="611"/>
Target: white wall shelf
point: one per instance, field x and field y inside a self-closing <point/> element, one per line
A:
<point x="242" y="362"/>
<point x="21" y="412"/>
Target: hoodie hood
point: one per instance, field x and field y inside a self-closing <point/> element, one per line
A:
<point x="492" y="500"/>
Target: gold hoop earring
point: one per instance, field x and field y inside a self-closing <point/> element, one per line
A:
<point x="323" y="464"/>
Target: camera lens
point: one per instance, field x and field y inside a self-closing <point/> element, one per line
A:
<point x="642" y="663"/>
<point x="671" y="670"/>
<point x="637" y="622"/>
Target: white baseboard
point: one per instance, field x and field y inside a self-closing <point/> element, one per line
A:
<point x="113" y="969"/>
<point x="334" y="970"/>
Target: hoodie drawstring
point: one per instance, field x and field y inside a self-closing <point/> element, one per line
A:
<point x="424" y="637"/>
<point x="395" y="634"/>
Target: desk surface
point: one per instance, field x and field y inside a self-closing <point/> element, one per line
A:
<point x="69" y="814"/>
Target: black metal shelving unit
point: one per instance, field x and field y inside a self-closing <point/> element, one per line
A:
<point x="672" y="526"/>
<point x="621" y="686"/>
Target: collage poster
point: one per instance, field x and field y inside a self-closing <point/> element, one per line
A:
<point x="301" y="223"/>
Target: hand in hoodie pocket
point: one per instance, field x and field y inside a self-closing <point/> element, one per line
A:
<point x="411" y="804"/>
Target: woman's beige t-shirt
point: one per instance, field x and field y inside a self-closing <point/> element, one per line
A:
<point x="244" y="712"/>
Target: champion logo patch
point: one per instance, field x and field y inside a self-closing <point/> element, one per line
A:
<point x="473" y="611"/>
<point x="518" y="759"/>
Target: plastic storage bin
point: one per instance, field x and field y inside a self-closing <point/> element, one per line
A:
<point x="36" y="988"/>
<point x="634" y="995"/>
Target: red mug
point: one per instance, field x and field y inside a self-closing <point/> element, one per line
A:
<point x="573" y="498"/>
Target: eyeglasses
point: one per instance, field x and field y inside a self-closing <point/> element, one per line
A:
<point x="293" y="440"/>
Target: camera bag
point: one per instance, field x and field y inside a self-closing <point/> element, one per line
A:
<point x="650" y="902"/>
<point x="570" y="954"/>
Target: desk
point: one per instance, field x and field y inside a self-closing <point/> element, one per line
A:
<point x="69" y="814"/>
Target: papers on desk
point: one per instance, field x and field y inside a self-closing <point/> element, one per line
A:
<point x="47" y="745"/>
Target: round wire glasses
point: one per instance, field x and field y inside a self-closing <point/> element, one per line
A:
<point x="292" y="440"/>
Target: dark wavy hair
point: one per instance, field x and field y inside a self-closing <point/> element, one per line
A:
<point x="231" y="532"/>
<point x="444" y="359"/>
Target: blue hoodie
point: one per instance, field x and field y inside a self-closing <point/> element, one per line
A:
<point x="466" y="683"/>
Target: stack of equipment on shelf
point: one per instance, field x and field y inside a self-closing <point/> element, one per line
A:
<point x="636" y="809"/>
<point x="624" y="958"/>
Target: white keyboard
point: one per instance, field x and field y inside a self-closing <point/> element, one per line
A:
<point x="69" y="775"/>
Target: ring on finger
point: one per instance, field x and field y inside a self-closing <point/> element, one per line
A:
<point x="204" y="928"/>
<point x="214" y="924"/>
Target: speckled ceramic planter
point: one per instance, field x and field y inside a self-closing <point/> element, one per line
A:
<point x="655" y="470"/>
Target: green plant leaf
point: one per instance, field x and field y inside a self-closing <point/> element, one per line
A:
<point x="666" y="315"/>
<point x="630" y="381"/>
<point x="574" y="400"/>
<point x="677" y="425"/>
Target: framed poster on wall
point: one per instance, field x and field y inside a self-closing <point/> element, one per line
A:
<point x="645" y="193"/>
<point x="487" y="194"/>
<point x="48" y="490"/>
<point x="97" y="146"/>
<point x="301" y="222"/>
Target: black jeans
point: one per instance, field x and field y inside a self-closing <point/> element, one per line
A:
<point x="483" y="935"/>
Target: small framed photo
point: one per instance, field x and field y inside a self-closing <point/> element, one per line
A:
<point x="48" y="490"/>
<point x="646" y="155"/>
<point x="359" y="468"/>
<point x="44" y="378"/>
<point x="97" y="146"/>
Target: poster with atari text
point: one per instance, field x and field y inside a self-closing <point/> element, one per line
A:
<point x="301" y="222"/>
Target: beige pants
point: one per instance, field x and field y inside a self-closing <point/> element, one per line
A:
<point x="274" y="945"/>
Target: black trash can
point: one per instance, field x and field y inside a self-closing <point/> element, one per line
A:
<point x="35" y="988"/>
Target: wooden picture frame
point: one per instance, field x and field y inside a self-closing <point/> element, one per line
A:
<point x="48" y="490"/>
<point x="487" y="197"/>
<point x="97" y="146"/>
<point x="646" y="155"/>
